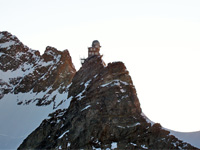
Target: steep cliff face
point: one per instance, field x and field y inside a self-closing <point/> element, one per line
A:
<point x="104" y="113"/>
<point x="39" y="78"/>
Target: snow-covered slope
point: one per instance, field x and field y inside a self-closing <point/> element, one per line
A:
<point x="31" y="87"/>
<point x="189" y="137"/>
<point x="18" y="121"/>
<point x="24" y="71"/>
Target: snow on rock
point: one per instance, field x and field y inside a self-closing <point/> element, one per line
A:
<point x="22" y="71"/>
<point x="80" y="95"/>
<point x="63" y="134"/>
<point x="24" y="118"/>
<point x="123" y="90"/>
<point x="28" y="79"/>
<point x="113" y="145"/>
<point x="189" y="137"/>
<point x="1" y="54"/>
<point x="114" y="83"/>
<point x="133" y="144"/>
<point x="136" y="124"/>
<point x="86" y="107"/>
<point x="144" y="146"/>
<point x="129" y="126"/>
<point x="1" y="35"/>
<point x="7" y="44"/>
<point x="68" y="144"/>
<point x="95" y="75"/>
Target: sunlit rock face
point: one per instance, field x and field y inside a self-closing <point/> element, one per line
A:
<point x="40" y="78"/>
<point x="104" y="113"/>
<point x="31" y="87"/>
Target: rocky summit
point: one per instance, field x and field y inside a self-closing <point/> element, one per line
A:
<point x="40" y="79"/>
<point x="104" y="112"/>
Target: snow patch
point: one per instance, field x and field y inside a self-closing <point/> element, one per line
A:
<point x="44" y="64"/>
<point x="114" y="82"/>
<point x="122" y="90"/>
<point x="136" y="124"/>
<point x="86" y="107"/>
<point x="121" y="127"/>
<point x="24" y="118"/>
<point x="190" y="137"/>
<point x="1" y="35"/>
<point x="22" y="71"/>
<point x="7" y="44"/>
<point x="125" y="96"/>
<point x="174" y="144"/>
<point x="95" y="75"/>
<point x="80" y="95"/>
<point x="133" y="144"/>
<point x="1" y="54"/>
<point x="129" y="126"/>
<point x="63" y="134"/>
<point x="61" y="99"/>
<point x="113" y="145"/>
<point x="144" y="146"/>
<point x="96" y="148"/>
<point x="68" y="144"/>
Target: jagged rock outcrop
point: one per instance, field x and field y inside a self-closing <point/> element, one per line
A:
<point x="41" y="79"/>
<point x="104" y="113"/>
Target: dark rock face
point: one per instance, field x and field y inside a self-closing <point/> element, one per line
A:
<point x="104" y="113"/>
<point x="24" y="70"/>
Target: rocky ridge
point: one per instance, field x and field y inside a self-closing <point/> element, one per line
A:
<point x="104" y="113"/>
<point x="40" y="79"/>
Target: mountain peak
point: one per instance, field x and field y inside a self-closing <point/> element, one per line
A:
<point x="7" y="41"/>
<point x="104" y="113"/>
<point x="24" y="70"/>
<point x="31" y="87"/>
<point x="6" y="36"/>
<point x="100" y="104"/>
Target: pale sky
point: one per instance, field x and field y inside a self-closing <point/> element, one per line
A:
<point x="158" y="40"/>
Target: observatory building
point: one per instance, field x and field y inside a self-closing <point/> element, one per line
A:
<point x="92" y="51"/>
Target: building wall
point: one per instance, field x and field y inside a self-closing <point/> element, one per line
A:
<point x="93" y="51"/>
